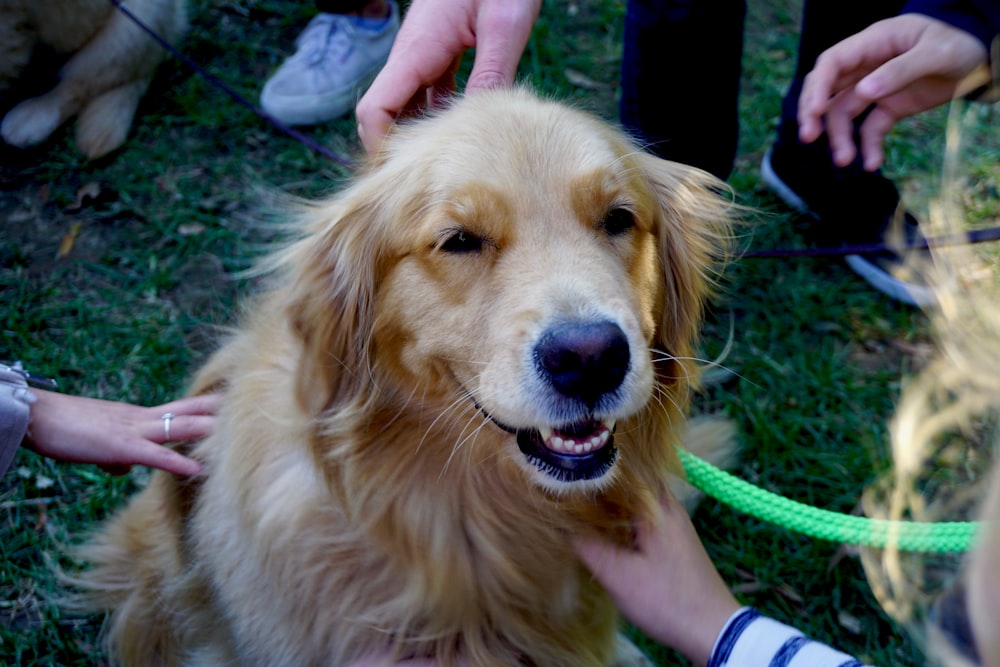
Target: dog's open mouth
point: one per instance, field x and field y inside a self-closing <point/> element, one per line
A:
<point x="573" y="452"/>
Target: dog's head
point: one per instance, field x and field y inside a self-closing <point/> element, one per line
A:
<point x="519" y="265"/>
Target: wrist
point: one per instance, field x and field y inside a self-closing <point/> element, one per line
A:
<point x="983" y="83"/>
<point x="750" y="638"/>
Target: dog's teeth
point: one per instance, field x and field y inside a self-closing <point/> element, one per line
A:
<point x="559" y="442"/>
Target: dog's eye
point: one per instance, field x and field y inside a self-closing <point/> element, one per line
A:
<point x="617" y="221"/>
<point x="461" y="240"/>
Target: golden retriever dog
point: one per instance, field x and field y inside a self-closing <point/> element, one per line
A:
<point x="111" y="62"/>
<point x="478" y="349"/>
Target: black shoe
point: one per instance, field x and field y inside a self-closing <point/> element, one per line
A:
<point x="852" y="207"/>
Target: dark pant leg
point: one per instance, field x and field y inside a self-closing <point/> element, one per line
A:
<point x="680" y="79"/>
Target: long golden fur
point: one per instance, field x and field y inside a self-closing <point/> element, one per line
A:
<point x="111" y="62"/>
<point x="509" y="264"/>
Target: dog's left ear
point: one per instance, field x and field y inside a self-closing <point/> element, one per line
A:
<point x="694" y="226"/>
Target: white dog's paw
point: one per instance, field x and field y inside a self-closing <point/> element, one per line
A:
<point x="628" y="654"/>
<point x="30" y="122"/>
<point x="104" y="122"/>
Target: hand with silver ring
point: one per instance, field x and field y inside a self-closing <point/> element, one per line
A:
<point x="116" y="436"/>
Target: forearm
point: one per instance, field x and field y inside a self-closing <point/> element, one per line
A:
<point x="750" y="638"/>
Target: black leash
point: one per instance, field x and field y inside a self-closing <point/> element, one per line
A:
<point x="306" y="140"/>
<point x="963" y="238"/>
<point x="966" y="238"/>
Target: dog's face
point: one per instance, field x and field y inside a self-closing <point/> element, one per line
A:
<point x="523" y="266"/>
<point x="531" y="288"/>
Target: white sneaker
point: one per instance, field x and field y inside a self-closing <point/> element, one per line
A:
<point x="337" y="56"/>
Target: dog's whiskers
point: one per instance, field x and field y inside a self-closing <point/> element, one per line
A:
<point x="660" y="355"/>
<point x="404" y="404"/>
<point x="462" y="399"/>
<point x="454" y="406"/>
<point x="458" y="445"/>
<point x="464" y="436"/>
<point x="660" y="393"/>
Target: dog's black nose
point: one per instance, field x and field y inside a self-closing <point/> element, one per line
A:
<point x="584" y="360"/>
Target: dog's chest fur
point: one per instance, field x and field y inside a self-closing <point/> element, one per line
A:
<point x="438" y="557"/>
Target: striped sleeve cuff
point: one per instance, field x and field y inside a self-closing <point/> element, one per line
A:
<point x="750" y="639"/>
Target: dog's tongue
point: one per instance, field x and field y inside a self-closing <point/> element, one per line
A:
<point x="579" y="438"/>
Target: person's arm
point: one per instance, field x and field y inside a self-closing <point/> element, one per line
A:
<point x="668" y="587"/>
<point x="426" y="53"/>
<point x="899" y="67"/>
<point x="116" y="436"/>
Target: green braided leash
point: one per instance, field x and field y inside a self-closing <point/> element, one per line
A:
<point x="946" y="537"/>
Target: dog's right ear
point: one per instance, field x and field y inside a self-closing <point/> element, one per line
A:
<point x="332" y="276"/>
<point x="694" y="226"/>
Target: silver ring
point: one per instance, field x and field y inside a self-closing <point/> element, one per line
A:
<point x="166" y="424"/>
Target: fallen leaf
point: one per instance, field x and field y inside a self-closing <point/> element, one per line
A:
<point x="580" y="80"/>
<point x="68" y="241"/>
<point x="789" y="593"/>
<point x="190" y="229"/>
<point x="742" y="589"/>
<point x="18" y="217"/>
<point x="921" y="349"/>
<point x="849" y="622"/>
<point x="84" y="195"/>
<point x="42" y="519"/>
<point x="844" y="551"/>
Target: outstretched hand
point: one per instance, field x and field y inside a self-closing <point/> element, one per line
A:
<point x="116" y="436"/>
<point x="902" y="65"/>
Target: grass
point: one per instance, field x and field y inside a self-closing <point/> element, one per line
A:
<point x="163" y="225"/>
